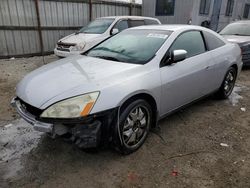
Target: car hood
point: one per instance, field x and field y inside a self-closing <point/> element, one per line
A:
<point x="63" y="76"/>
<point x="78" y="38"/>
<point x="237" y="39"/>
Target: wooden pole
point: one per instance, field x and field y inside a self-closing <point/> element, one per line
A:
<point x="39" y="26"/>
<point x="90" y="10"/>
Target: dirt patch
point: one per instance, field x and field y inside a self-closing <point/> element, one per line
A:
<point x="204" y="145"/>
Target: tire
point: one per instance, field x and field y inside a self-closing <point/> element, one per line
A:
<point x="228" y="84"/>
<point x="133" y="128"/>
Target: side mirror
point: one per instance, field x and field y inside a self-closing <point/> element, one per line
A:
<point x="178" y="55"/>
<point x="114" y="31"/>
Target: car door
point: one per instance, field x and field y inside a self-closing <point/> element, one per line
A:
<point x="221" y="55"/>
<point x="185" y="81"/>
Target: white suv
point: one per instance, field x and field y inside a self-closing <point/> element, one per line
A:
<point x="97" y="31"/>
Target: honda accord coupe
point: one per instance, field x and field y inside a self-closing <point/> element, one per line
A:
<point x="118" y="90"/>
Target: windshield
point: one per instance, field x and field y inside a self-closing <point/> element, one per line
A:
<point x="242" y="29"/>
<point x="98" y="26"/>
<point x="131" y="46"/>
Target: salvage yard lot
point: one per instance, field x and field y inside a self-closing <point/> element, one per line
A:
<point x="205" y="145"/>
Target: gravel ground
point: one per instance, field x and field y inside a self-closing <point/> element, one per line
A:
<point x="205" y="145"/>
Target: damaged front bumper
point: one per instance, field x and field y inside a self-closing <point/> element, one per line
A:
<point x="87" y="132"/>
<point x="38" y="126"/>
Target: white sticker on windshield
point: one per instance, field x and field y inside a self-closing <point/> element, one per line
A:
<point x="154" y="35"/>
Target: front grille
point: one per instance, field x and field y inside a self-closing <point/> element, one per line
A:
<point x="63" y="49"/>
<point x="65" y="45"/>
<point x="245" y="53"/>
<point x="246" y="56"/>
<point x="31" y="109"/>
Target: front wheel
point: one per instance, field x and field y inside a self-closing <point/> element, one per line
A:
<point x="133" y="127"/>
<point x="228" y="84"/>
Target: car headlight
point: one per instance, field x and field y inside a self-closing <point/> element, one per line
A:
<point x="78" y="47"/>
<point x="73" y="107"/>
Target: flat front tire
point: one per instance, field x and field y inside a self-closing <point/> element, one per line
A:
<point x="134" y="125"/>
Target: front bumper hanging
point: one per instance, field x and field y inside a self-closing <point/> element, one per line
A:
<point x="38" y="126"/>
<point x="86" y="132"/>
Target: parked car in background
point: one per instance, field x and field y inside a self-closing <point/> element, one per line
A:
<point x="239" y="32"/>
<point x="119" y="89"/>
<point x="97" y="31"/>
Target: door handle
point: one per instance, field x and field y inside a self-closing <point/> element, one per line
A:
<point x="207" y="67"/>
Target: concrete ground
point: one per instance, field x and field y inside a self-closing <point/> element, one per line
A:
<point x="204" y="145"/>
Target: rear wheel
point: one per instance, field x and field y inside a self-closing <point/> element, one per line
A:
<point x="228" y="84"/>
<point x="134" y="125"/>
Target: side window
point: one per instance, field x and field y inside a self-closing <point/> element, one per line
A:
<point x="230" y="7"/>
<point x="205" y="7"/>
<point x="121" y="25"/>
<point x="151" y="22"/>
<point x="212" y="41"/>
<point x="164" y="7"/>
<point x="246" y="11"/>
<point x="135" y="23"/>
<point x="191" y="41"/>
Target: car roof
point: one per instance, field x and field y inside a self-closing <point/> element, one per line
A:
<point x="128" y="17"/>
<point x="178" y="28"/>
<point x="175" y="27"/>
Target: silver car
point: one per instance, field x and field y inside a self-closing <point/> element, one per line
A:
<point x="239" y="33"/>
<point x="118" y="90"/>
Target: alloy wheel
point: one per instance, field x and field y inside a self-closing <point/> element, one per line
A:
<point x="135" y="127"/>
<point x="229" y="82"/>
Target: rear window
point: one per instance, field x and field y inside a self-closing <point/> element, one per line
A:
<point x="212" y="41"/>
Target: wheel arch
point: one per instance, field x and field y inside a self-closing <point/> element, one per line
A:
<point x="148" y="98"/>
<point x="234" y="65"/>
